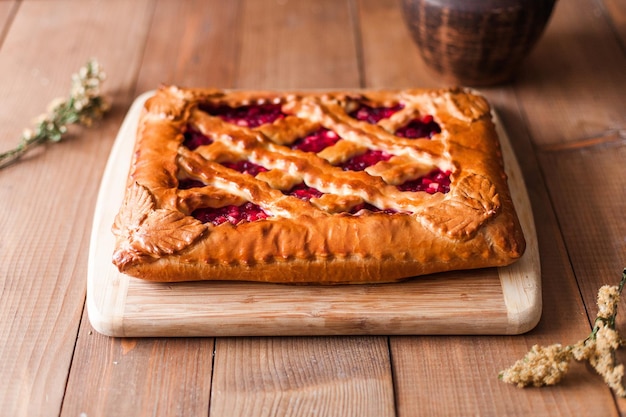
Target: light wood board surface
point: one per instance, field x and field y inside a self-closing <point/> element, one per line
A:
<point x="486" y="301"/>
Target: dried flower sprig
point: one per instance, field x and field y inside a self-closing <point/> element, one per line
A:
<point x="547" y="365"/>
<point x="84" y="105"/>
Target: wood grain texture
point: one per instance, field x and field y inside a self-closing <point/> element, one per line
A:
<point x="166" y="377"/>
<point x="463" y="382"/>
<point x="577" y="64"/>
<point x="467" y="384"/>
<point x="43" y="268"/>
<point x="589" y="196"/>
<point x="587" y="188"/>
<point x="562" y="321"/>
<point x="8" y="10"/>
<point x="293" y="44"/>
<point x="458" y="376"/>
<point x="564" y="115"/>
<point x="581" y="132"/>
<point x="270" y="360"/>
<point x="301" y="377"/>
<point x="130" y="377"/>
<point x="385" y="37"/>
<point x="192" y="43"/>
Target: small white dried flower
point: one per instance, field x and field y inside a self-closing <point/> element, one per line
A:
<point x="81" y="103"/>
<point x="614" y="380"/>
<point x="42" y="119"/>
<point x="607" y="338"/>
<point x="84" y="105"/>
<point x="547" y="365"/>
<point x="56" y="104"/>
<point x="608" y="299"/>
<point x="27" y="134"/>
<point x="92" y="83"/>
<point x="542" y="365"/>
<point x="583" y="349"/>
<point x="78" y="91"/>
<point x="105" y="106"/>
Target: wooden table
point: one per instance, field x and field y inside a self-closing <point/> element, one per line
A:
<point x="565" y="115"/>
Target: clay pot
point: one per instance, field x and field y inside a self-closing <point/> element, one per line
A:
<point x="476" y="42"/>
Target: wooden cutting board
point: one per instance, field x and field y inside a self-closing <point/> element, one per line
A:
<point x="486" y="301"/>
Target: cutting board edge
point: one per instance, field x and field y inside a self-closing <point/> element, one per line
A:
<point x="522" y="294"/>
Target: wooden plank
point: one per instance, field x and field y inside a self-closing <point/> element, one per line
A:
<point x="593" y="225"/>
<point x="461" y="379"/>
<point x="390" y="57"/>
<point x="586" y="182"/>
<point x="131" y="377"/>
<point x="458" y="376"/>
<point x="467" y="384"/>
<point x="577" y="131"/>
<point x="567" y="86"/>
<point x="8" y="9"/>
<point x="297" y="44"/>
<point x="192" y="43"/>
<point x="302" y="376"/>
<point x="47" y="199"/>
<point x="300" y="63"/>
<point x="188" y="43"/>
<point x="559" y="282"/>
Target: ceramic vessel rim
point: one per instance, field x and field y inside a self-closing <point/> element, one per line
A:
<point x="481" y="5"/>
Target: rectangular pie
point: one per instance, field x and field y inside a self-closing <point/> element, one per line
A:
<point x="314" y="187"/>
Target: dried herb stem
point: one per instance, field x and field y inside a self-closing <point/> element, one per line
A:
<point x="84" y="105"/>
<point x="546" y="365"/>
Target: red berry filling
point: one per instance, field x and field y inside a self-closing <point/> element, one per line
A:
<point x="247" y="212"/>
<point x="426" y="127"/>
<point x="374" y="114"/>
<point x="316" y="141"/>
<point x="436" y="181"/>
<point x="369" y="158"/>
<point x="187" y="183"/>
<point x="248" y="116"/>
<point x="245" y="167"/>
<point x="195" y="138"/>
<point x="304" y="192"/>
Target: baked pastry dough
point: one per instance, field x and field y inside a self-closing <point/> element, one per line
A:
<point x="312" y="187"/>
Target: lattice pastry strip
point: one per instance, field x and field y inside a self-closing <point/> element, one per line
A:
<point x="314" y="187"/>
<point x="296" y="164"/>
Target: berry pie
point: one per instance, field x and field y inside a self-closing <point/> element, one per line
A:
<point x="314" y="187"/>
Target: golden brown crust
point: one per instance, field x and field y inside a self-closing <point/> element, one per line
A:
<point x="474" y="225"/>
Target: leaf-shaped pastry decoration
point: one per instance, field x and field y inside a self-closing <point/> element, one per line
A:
<point x="167" y="231"/>
<point x="141" y="230"/>
<point x="138" y="203"/>
<point x="465" y="209"/>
